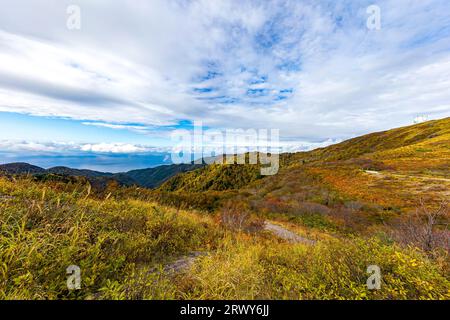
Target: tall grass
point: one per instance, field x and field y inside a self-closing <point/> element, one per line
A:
<point x="43" y="231"/>
<point x="332" y="269"/>
<point x="122" y="246"/>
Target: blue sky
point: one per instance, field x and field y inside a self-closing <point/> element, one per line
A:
<point x="23" y="127"/>
<point x="136" y="70"/>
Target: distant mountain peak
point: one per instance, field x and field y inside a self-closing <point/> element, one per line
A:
<point x="21" y="168"/>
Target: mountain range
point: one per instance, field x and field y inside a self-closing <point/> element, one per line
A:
<point x="148" y="178"/>
<point x="406" y="152"/>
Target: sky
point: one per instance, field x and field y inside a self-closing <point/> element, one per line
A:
<point x="134" y="71"/>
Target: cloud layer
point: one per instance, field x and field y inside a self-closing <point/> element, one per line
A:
<point x="309" y="68"/>
<point x="77" y="148"/>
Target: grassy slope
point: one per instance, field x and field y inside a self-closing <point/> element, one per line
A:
<point x="412" y="162"/>
<point x="435" y="134"/>
<point x="213" y="177"/>
<point x="153" y="177"/>
<point x="120" y="244"/>
<point x="392" y="168"/>
<point x="45" y="227"/>
<point x="119" y="238"/>
<point x="364" y="185"/>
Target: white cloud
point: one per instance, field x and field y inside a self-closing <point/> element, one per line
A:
<point x="113" y="148"/>
<point x="139" y="65"/>
<point x="139" y="129"/>
<point x="28" y="146"/>
<point x="55" y="147"/>
<point x="72" y="147"/>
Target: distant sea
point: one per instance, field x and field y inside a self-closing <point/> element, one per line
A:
<point x="100" y="162"/>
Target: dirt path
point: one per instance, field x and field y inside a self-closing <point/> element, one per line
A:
<point x="405" y="176"/>
<point x="285" y="234"/>
<point x="183" y="263"/>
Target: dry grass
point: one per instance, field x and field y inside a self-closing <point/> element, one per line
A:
<point x="122" y="246"/>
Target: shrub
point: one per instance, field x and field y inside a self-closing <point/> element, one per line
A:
<point x="237" y="217"/>
<point x="426" y="229"/>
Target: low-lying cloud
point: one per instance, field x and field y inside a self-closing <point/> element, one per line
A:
<point x="71" y="147"/>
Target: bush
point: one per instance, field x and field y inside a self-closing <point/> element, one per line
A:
<point x="426" y="229"/>
<point x="237" y="217"/>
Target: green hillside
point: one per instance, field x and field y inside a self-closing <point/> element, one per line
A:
<point x="213" y="177"/>
<point x="435" y="134"/>
<point x="365" y="183"/>
<point x="225" y="232"/>
<point x="147" y="178"/>
<point x="429" y="142"/>
<point x="153" y="177"/>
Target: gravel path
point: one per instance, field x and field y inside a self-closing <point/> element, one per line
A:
<point x="285" y="234"/>
<point x="184" y="263"/>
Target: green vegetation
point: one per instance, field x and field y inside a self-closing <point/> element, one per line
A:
<point x="44" y="230"/>
<point x="147" y="178"/>
<point x="214" y="177"/>
<point x="121" y="247"/>
<point x="154" y="177"/>
<point x="332" y="269"/>
<point x="435" y="134"/>
<point x="373" y="200"/>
